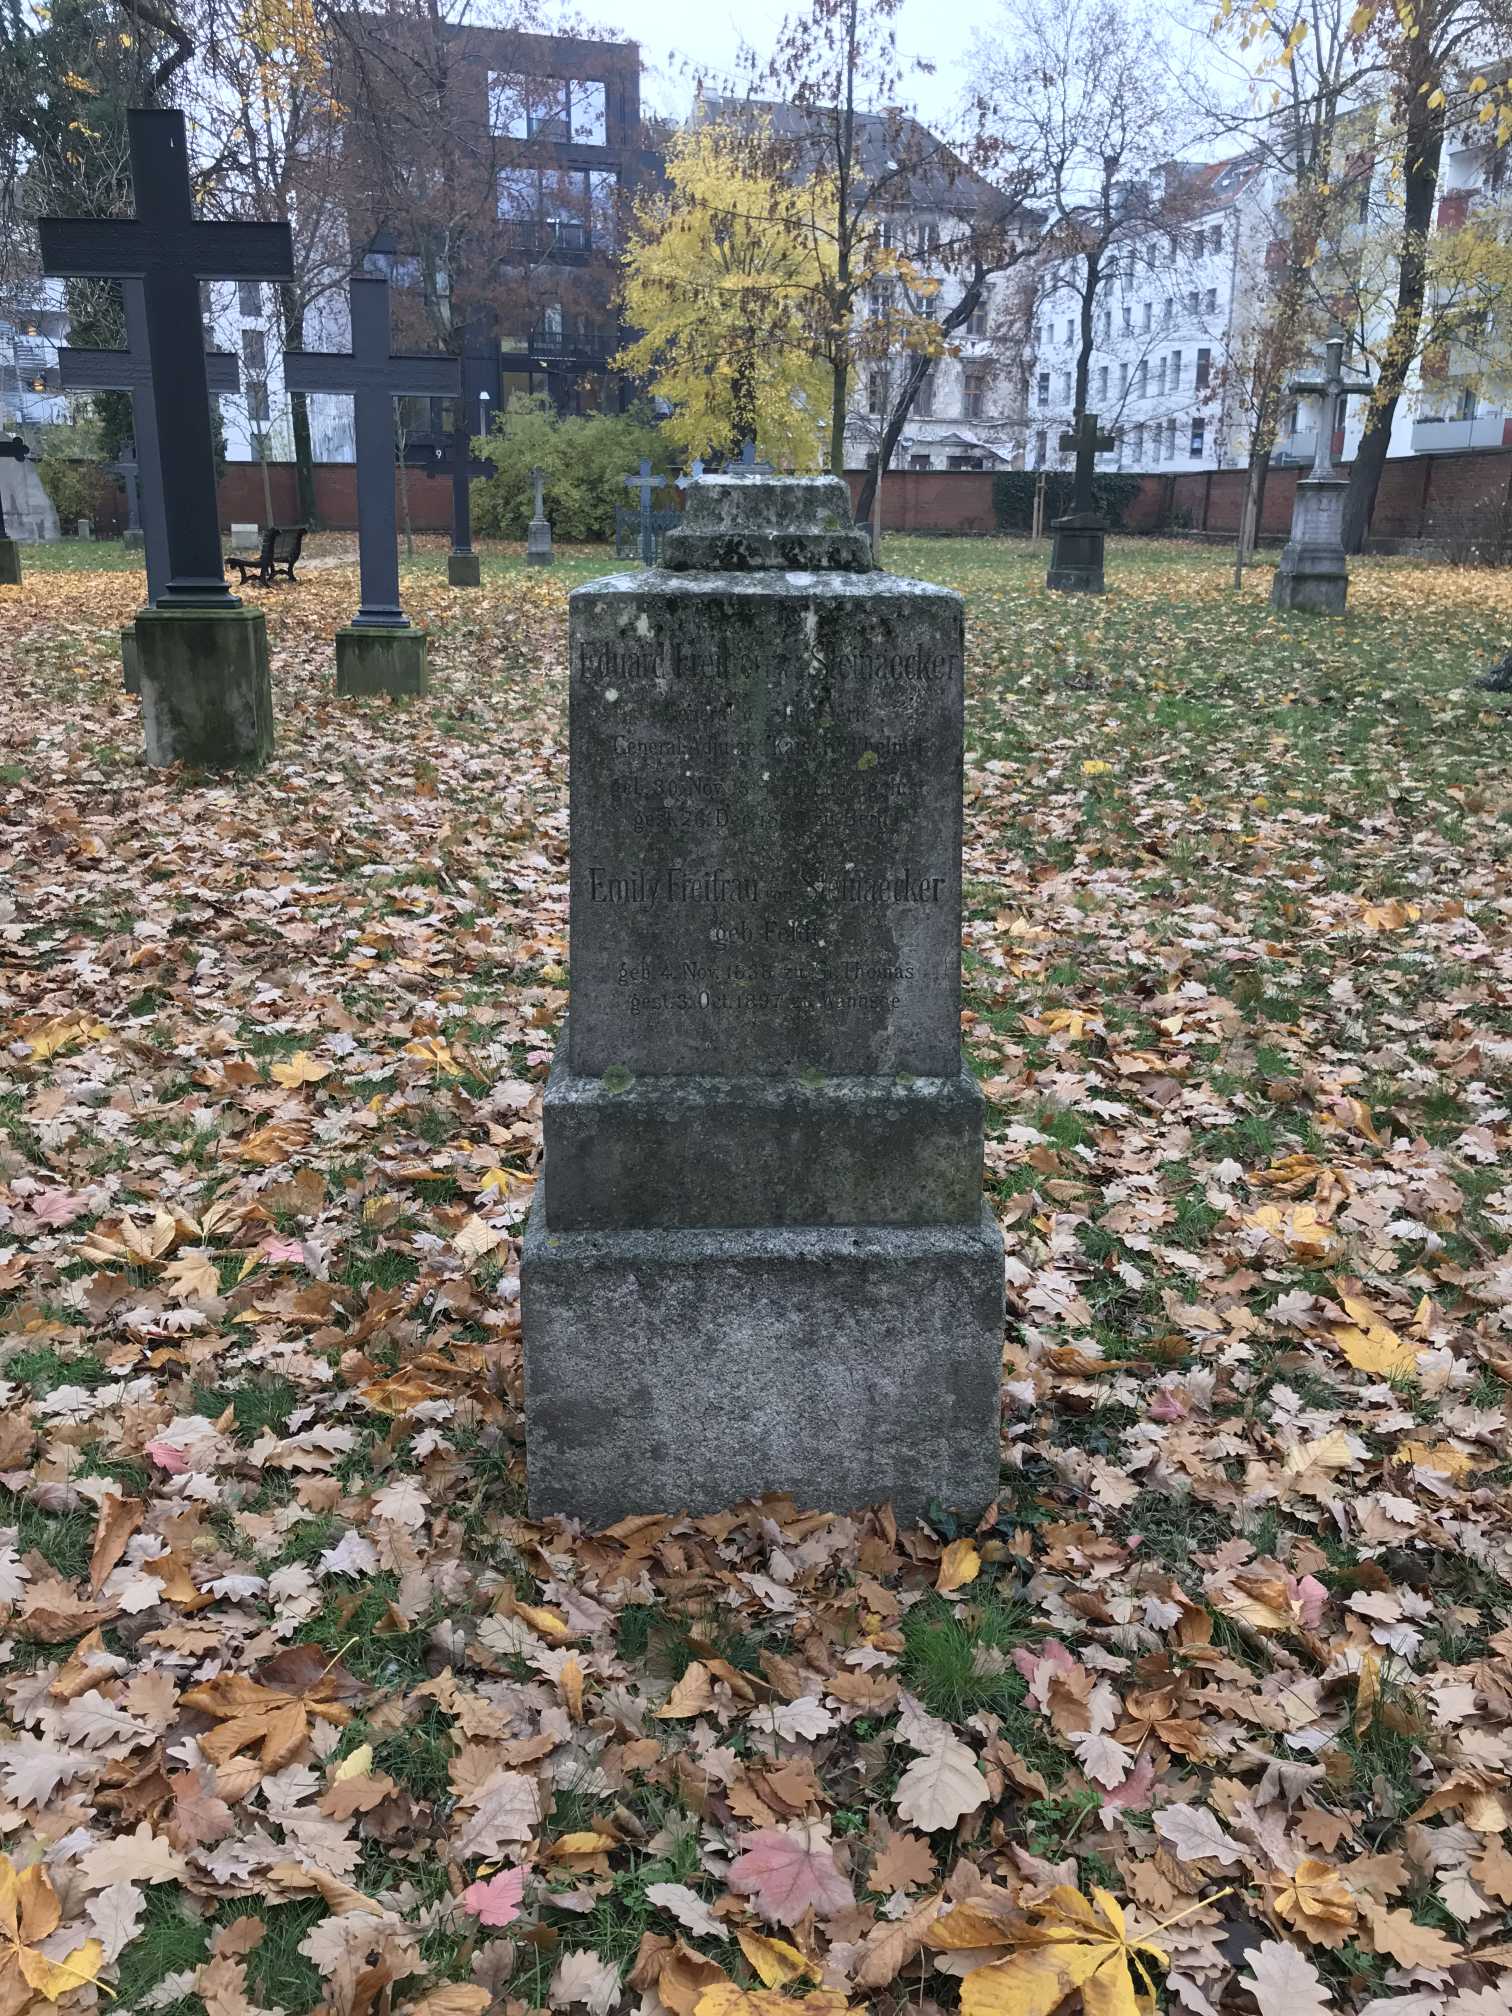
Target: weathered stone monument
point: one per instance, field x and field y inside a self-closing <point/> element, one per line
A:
<point x="14" y="450"/>
<point x="759" y="1258"/>
<point x="130" y="370"/>
<point x="1313" y="572"/>
<point x="538" y="551"/>
<point x="378" y="651"/>
<point x="203" y="656"/>
<point x="1076" y="558"/>
<point x="126" y="468"/>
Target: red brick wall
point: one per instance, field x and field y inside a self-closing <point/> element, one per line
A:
<point x="241" y="496"/>
<point x="1413" y="492"/>
<point x="932" y="500"/>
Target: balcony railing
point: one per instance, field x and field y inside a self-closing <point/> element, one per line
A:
<point x="553" y="238"/>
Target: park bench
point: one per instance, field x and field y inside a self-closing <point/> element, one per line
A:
<point x="281" y="547"/>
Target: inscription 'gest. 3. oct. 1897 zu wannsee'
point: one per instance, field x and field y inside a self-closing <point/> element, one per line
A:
<point x="766" y="840"/>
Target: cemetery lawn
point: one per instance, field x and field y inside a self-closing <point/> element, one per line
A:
<point x="301" y="1708"/>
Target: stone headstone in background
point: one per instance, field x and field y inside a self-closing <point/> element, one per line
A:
<point x="245" y="538"/>
<point x="538" y="551"/>
<point x="759" y="1258"/>
<point x="85" y="528"/>
<point x="1313" y="571"/>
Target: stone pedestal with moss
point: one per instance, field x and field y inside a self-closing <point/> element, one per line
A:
<point x="759" y="1258"/>
<point x="10" y="563"/>
<point x="207" y="700"/>
<point x="380" y="660"/>
<point x="464" y="570"/>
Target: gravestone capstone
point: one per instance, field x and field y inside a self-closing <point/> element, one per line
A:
<point x="1313" y="571"/>
<point x="759" y="1258"/>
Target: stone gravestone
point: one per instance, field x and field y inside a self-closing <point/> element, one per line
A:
<point x="1313" y="572"/>
<point x="378" y="651"/>
<point x="203" y="655"/>
<point x="130" y="371"/>
<point x="538" y="551"/>
<point x="127" y="470"/>
<point x="14" y="450"/>
<point x="759" y="1258"/>
<point x="1076" y="558"/>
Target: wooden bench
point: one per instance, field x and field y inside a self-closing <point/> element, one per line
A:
<point x="281" y="547"/>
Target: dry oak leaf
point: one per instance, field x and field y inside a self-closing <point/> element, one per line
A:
<point x="1493" y="1872"/>
<point x="457" y="1998"/>
<point x="585" y="1977"/>
<point x="788" y="1873"/>
<point x="683" y="1975"/>
<point x="1071" y="1944"/>
<point x="688" y="1908"/>
<point x="1401" y="1938"/>
<point x="888" y="1948"/>
<point x="906" y="1863"/>
<point x="142" y="1857"/>
<point x="1284" y="1982"/>
<point x="506" y="1808"/>
<point x="1318" y="1903"/>
<point x="693" y="1694"/>
<point x="1194" y="1832"/>
<point x="941" y="1787"/>
<point x="274" y="1709"/>
<point x="30" y="1913"/>
<point x="118" y="1520"/>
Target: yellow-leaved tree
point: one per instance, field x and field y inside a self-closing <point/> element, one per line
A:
<point x="723" y="285"/>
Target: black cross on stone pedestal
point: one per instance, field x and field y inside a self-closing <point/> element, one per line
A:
<point x="171" y="252"/>
<point x="482" y="388"/>
<point x="645" y="482"/>
<point x="374" y="377"/>
<point x="1087" y="442"/>
<point x="747" y="464"/>
<point x="14" y="450"/>
<point x="130" y="371"/>
<point x="1329" y="388"/>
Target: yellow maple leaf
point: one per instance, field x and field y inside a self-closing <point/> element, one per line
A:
<point x="778" y="1963"/>
<point x="30" y="1913"/>
<point x="301" y="1069"/>
<point x="434" y="1050"/>
<point x="959" y="1564"/>
<point x="1317" y="1902"/>
<point x="1072" y="1944"/>
<point x="1371" y="1345"/>
<point x="1095" y="767"/>
<point x="59" y="1033"/>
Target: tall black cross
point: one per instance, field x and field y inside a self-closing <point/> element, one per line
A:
<point x="14" y="450"/>
<point x="471" y="415"/>
<point x="374" y="377"/>
<point x="645" y="482"/>
<point x="170" y="252"/>
<point x="1089" y="442"/>
<point x="130" y="370"/>
<point x="1330" y="388"/>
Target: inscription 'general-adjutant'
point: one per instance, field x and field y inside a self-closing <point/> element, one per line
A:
<point x="653" y="884"/>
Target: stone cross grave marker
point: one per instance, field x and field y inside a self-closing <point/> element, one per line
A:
<point x="694" y="471"/>
<point x="130" y="370"/>
<point x="645" y="482"/>
<point x="378" y="651"/>
<point x="14" y="450"/>
<point x="759" y="1257"/>
<point x="170" y="252"/>
<point x="746" y="462"/>
<point x="1076" y="559"/>
<point x="538" y="551"/>
<point x="1313" y="571"/>
<point x="129" y="472"/>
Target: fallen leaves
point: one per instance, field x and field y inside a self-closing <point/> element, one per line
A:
<point x="29" y="1914"/>
<point x="1068" y="1944"/>
<point x="789" y="1873"/>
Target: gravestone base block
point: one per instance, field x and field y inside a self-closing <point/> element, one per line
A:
<point x="689" y="1369"/>
<point x="1313" y="572"/>
<point x="10" y="563"/>
<point x="131" y="664"/>
<point x="206" y="696"/>
<point x="464" y="570"/>
<point x="1076" y="558"/>
<point x="538" y="551"/>
<point x="133" y="540"/>
<point x="381" y="661"/>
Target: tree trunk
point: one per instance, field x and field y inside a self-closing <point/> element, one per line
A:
<point x="837" y="418"/>
<point x="913" y="378"/>
<point x="299" y="415"/>
<point x="267" y="480"/>
<point x="1249" y="516"/>
<point x="1425" y="143"/>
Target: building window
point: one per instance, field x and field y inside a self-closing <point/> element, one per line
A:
<point x="1160" y="378"/>
<point x="1170" y="310"/>
<point x="1102" y="381"/>
<point x="919" y="462"/>
<point x="1039" y="449"/>
<point x="1139" y="442"/>
<point x="1144" y="321"/>
<point x="1142" y="377"/>
<point x="1123" y="380"/>
<point x="1128" y="317"/>
<point x="924" y="397"/>
<point x="257" y="403"/>
<point x="1175" y="370"/>
<point x="1065" y="391"/>
<point x="1192" y="302"/>
<point x="1362" y="208"/>
<point x="977" y="326"/>
<point x="1215" y="238"/>
<point x="249" y="297"/>
<point x="1170" y="441"/>
<point x="1210" y="301"/>
<point x="1042" y="389"/>
<point x="254" y="347"/>
<point x="1467" y="404"/>
<point x="1199" y="428"/>
<point x="1070" y="325"/>
<point x="974" y="387"/>
<point x="876" y="391"/>
<point x="1204" y="368"/>
<point x="586" y="112"/>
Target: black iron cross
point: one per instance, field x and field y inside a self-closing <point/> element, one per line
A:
<point x="130" y="370"/>
<point x="482" y="387"/>
<point x="14" y="450"/>
<point x="170" y="252"/>
<point x="374" y="377"/>
<point x="645" y="482"/>
<point x="1089" y="442"/>
<point x="747" y="464"/>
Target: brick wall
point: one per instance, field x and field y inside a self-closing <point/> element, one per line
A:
<point x="932" y="500"/>
<point x="241" y="496"/>
<point x="1420" y="496"/>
